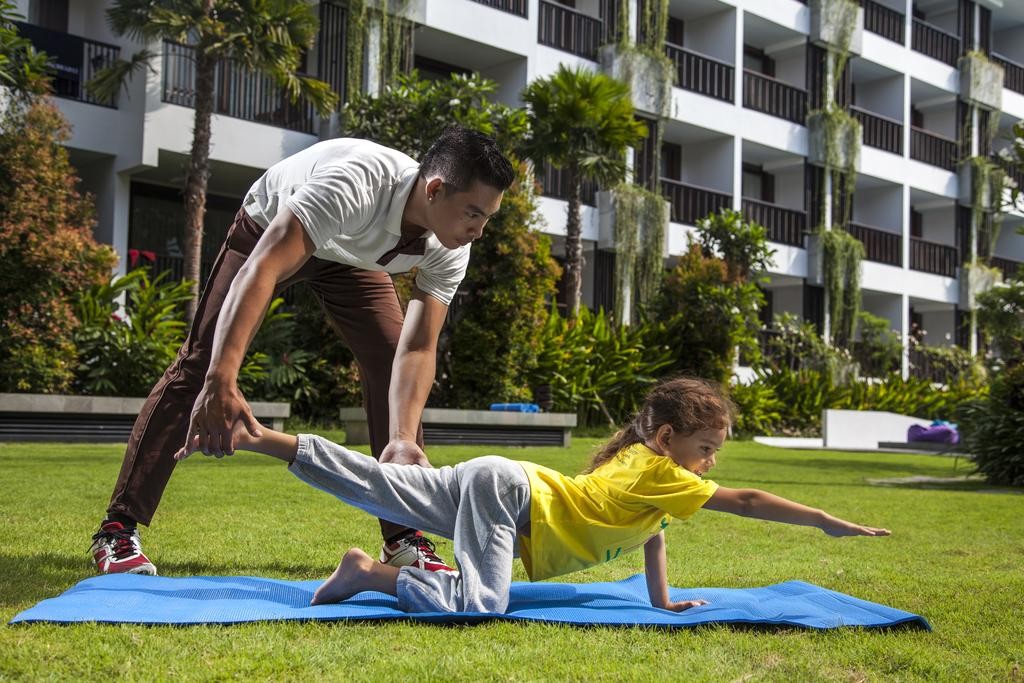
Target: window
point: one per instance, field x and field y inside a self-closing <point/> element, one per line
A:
<point x="757" y="184"/>
<point x="674" y="34"/>
<point x="755" y="59"/>
<point x="51" y="14"/>
<point x="671" y="161"/>
<point x="916" y="224"/>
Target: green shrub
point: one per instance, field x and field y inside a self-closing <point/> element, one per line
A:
<point x="794" y="344"/>
<point x="879" y="350"/>
<point x="596" y="369"/>
<point x="805" y="394"/>
<point x="758" y="409"/>
<point x="708" y="317"/>
<point x="47" y="251"/>
<point x="1001" y="318"/>
<point x="493" y="344"/>
<point x="123" y="352"/>
<point x="993" y="429"/>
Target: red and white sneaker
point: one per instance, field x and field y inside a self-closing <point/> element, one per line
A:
<point x="413" y="550"/>
<point x="117" y="550"/>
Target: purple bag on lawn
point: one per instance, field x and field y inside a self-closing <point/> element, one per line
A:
<point x="938" y="433"/>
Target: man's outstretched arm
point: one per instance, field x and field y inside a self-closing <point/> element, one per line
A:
<point x="282" y="249"/>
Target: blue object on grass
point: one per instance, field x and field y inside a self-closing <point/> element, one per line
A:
<point x="937" y="433"/>
<point x="516" y="407"/>
<point x="134" y="599"/>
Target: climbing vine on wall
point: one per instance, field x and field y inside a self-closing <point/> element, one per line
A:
<point x="639" y="246"/>
<point x="842" y="254"/>
<point x="395" y="42"/>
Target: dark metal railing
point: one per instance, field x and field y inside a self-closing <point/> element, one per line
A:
<point x="933" y="149"/>
<point x="516" y="7"/>
<point x="74" y="60"/>
<point x="879" y="245"/>
<point x="1013" y="73"/>
<point x="554" y="182"/>
<point x="690" y="203"/>
<point x="785" y="226"/>
<point x="884" y="21"/>
<point x="931" y="257"/>
<point x="765" y="94"/>
<point x="238" y="92"/>
<point x="1011" y="269"/>
<point x="566" y="29"/>
<point x="879" y="131"/>
<point x="934" y="42"/>
<point x="701" y="74"/>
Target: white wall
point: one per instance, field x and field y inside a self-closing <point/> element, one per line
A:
<point x="1010" y="43"/>
<point x="939" y="326"/>
<point x="789" y="299"/>
<point x="939" y="226"/>
<point x="880" y="207"/>
<point x="789" y="187"/>
<point x="882" y="96"/>
<point x="790" y="67"/>
<point x="713" y="35"/>
<point x="709" y="164"/>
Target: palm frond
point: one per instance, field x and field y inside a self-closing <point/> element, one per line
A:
<point x="105" y="84"/>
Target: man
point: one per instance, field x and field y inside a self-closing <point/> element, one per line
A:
<point x="341" y="216"/>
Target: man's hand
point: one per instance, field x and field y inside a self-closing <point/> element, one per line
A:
<point x="404" y="453"/>
<point x="217" y="409"/>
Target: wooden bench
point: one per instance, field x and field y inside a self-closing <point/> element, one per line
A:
<point x="453" y="426"/>
<point x="104" y="419"/>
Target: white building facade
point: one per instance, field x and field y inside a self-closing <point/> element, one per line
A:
<point x="734" y="134"/>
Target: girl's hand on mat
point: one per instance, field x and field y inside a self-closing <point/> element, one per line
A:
<point x="683" y="605"/>
<point x="834" y="526"/>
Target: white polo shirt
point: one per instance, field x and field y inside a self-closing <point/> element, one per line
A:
<point x="349" y="195"/>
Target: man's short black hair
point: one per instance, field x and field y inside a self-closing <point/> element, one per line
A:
<point x="460" y="156"/>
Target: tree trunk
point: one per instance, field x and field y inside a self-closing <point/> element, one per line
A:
<point x="573" y="246"/>
<point x="198" y="173"/>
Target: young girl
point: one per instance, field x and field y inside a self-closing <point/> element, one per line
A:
<point x="650" y="472"/>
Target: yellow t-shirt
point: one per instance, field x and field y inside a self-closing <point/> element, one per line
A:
<point x="577" y="522"/>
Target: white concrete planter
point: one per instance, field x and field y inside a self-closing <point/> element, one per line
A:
<point x="849" y="142"/>
<point x="965" y="182"/>
<point x="975" y="279"/>
<point x="815" y="261"/>
<point x="827" y="22"/>
<point x="606" y="235"/>
<point x="981" y="82"/>
<point x="651" y="89"/>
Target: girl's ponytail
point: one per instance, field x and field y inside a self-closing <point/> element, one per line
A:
<point x="627" y="436"/>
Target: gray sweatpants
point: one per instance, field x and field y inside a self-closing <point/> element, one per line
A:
<point x="479" y="504"/>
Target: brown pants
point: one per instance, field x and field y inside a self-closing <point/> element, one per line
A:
<point x="362" y="307"/>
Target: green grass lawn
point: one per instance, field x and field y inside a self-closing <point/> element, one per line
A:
<point x="955" y="557"/>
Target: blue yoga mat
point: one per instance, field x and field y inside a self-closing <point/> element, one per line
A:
<point x="124" y="598"/>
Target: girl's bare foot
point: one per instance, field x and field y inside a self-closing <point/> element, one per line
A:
<point x="357" y="572"/>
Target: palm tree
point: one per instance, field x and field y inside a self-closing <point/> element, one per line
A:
<point x="581" y="121"/>
<point x="264" y="36"/>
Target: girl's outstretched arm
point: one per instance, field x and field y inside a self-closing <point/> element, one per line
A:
<point x="656" y="571"/>
<point x="767" y="506"/>
<point x="275" y="444"/>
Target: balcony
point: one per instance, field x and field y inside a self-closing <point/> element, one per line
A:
<point x="564" y="28"/>
<point x="879" y="245"/>
<point x="238" y="92"/>
<point x="886" y="22"/>
<point x="554" y="182"/>
<point x="933" y="149"/>
<point x="690" y="203"/>
<point x="879" y="131"/>
<point x="701" y="74"/>
<point x="931" y="257"/>
<point x="1011" y="269"/>
<point x="1013" y="73"/>
<point x="785" y="226"/>
<point x="516" y="7"/>
<point x="936" y="43"/>
<point x="766" y="94"/>
<point x="75" y="61"/>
